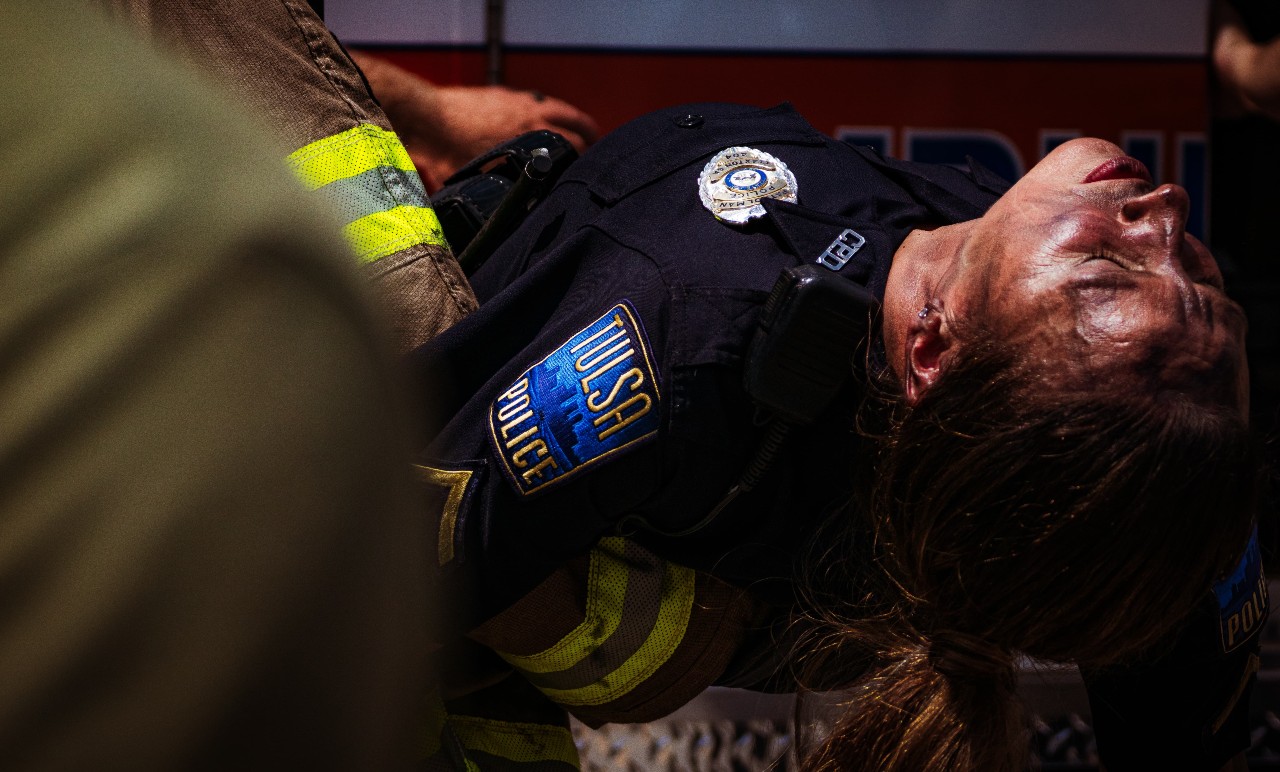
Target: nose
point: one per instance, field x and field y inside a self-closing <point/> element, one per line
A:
<point x="1167" y="205"/>
<point x="1160" y="218"/>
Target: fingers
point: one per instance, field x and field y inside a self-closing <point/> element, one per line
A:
<point x="468" y="120"/>
<point x="563" y="118"/>
<point x="531" y="110"/>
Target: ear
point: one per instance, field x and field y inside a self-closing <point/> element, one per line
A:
<point x="928" y="349"/>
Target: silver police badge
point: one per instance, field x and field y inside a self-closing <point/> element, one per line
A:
<point x="733" y="183"/>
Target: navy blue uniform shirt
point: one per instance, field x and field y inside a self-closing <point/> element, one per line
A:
<point x="599" y="387"/>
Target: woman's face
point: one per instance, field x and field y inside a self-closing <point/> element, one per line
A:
<point x="1087" y="264"/>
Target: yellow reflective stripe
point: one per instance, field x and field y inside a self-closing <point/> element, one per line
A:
<point x="606" y="588"/>
<point x="344" y="155"/>
<point x="431" y="721"/>
<point x="518" y="742"/>
<point x="380" y="234"/>
<point x="663" y="640"/>
<point x="387" y="209"/>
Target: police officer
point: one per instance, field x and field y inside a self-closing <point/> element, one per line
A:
<point x="625" y="491"/>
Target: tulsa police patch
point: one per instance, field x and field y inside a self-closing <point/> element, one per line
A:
<point x="588" y="400"/>
<point x="1242" y="598"/>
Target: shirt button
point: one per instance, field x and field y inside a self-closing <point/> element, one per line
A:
<point x="690" y="121"/>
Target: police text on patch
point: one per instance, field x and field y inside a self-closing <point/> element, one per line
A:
<point x="591" y="398"/>
<point x="1243" y="600"/>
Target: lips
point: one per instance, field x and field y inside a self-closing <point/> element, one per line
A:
<point x="1121" y="168"/>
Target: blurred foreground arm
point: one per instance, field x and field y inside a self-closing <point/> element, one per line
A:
<point x="210" y="557"/>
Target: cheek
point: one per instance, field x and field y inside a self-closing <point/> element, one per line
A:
<point x="1199" y="263"/>
<point x="1042" y="326"/>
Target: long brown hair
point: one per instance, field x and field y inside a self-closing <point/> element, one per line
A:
<point x="1002" y="517"/>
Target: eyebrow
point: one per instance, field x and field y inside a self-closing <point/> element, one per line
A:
<point x="1082" y="293"/>
<point x="1112" y="280"/>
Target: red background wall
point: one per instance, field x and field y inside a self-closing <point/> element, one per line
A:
<point x="1018" y="97"/>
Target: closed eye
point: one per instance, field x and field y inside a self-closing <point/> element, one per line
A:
<point x="1101" y="279"/>
<point x="1109" y="257"/>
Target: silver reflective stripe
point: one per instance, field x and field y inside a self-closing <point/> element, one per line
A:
<point x="376" y="190"/>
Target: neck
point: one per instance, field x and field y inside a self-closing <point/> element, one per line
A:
<point x="921" y="270"/>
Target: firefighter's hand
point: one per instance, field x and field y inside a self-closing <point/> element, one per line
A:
<point x="444" y="127"/>
<point x="1248" y="71"/>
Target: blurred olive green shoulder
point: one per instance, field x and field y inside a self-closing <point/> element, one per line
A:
<point x="110" y="148"/>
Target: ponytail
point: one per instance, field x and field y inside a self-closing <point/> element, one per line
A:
<point x="921" y="707"/>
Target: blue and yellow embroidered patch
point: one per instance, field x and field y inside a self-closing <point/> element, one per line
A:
<point x="588" y="400"/>
<point x="1242" y="598"/>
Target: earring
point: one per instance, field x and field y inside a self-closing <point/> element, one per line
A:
<point x="924" y="312"/>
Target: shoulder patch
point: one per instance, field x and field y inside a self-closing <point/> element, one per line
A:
<point x="1243" y="601"/>
<point x="588" y="400"/>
